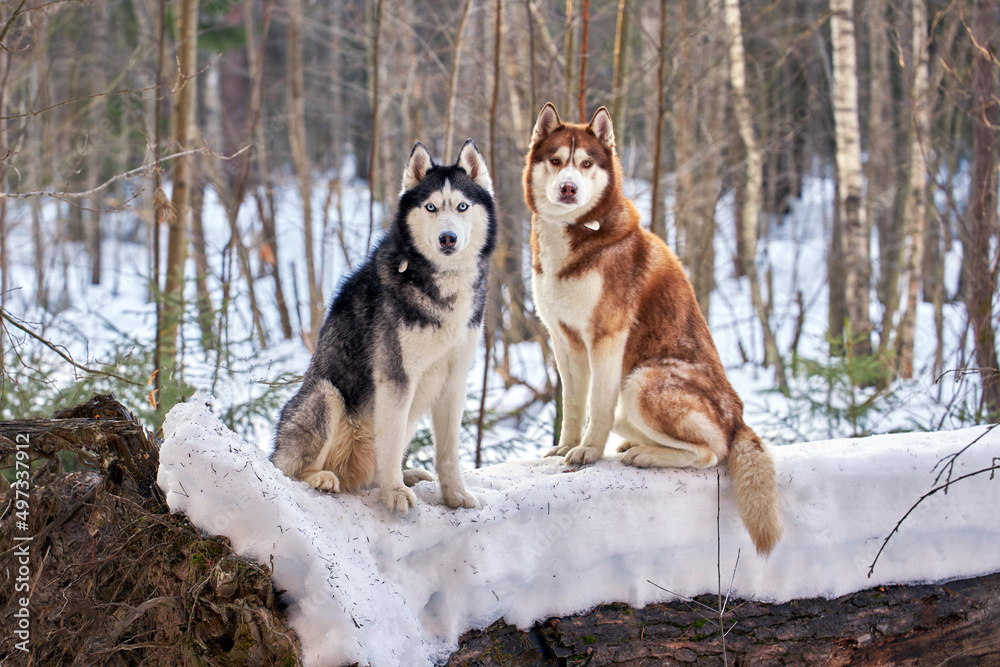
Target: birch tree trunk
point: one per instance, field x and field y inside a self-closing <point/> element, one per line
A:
<point x="747" y="217"/>
<point x="854" y="230"/>
<point x="914" y="218"/>
<point x="300" y="158"/>
<point x="184" y="110"/>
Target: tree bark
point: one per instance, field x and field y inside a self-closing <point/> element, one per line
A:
<point x="658" y="220"/>
<point x="300" y="158"/>
<point x="956" y="622"/>
<point x="854" y="230"/>
<point x="881" y="170"/>
<point x="568" y="62"/>
<point x="374" y="93"/>
<point x="619" y="82"/>
<point x="254" y="132"/>
<point x="184" y="109"/>
<point x="683" y="110"/>
<point x="581" y="99"/>
<point x="4" y="265"/>
<point x="699" y="130"/>
<point x="456" y="55"/>
<point x="938" y="238"/>
<point x="206" y="312"/>
<point x="981" y="264"/>
<point x="914" y="218"/>
<point x="746" y="218"/>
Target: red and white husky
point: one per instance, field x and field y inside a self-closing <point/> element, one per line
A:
<point x="632" y="347"/>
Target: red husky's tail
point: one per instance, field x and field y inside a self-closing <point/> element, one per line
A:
<point x="752" y="471"/>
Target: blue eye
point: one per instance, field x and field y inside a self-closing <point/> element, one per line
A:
<point x="463" y="207"/>
<point x="431" y="207"/>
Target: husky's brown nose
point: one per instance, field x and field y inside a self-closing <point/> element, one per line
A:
<point x="568" y="189"/>
<point x="448" y="240"/>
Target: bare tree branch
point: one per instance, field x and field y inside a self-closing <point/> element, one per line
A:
<point x="138" y="171"/>
<point x="63" y="353"/>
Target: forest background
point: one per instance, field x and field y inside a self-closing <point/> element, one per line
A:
<point x="246" y="153"/>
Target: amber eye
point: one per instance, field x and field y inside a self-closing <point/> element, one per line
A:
<point x="587" y="164"/>
<point x="555" y="161"/>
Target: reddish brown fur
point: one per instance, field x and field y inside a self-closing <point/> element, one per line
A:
<point x="641" y="276"/>
<point x="646" y="290"/>
<point x="575" y="340"/>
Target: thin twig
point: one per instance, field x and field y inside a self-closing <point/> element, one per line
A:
<point x="718" y="563"/>
<point x="995" y="466"/>
<point x="682" y="597"/>
<point x="84" y="98"/>
<point x="62" y="353"/>
<point x="951" y="458"/>
<point x="138" y="171"/>
<point x="10" y="21"/>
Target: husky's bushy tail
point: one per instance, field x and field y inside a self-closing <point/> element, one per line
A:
<point x="752" y="471"/>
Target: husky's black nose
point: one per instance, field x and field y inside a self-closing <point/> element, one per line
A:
<point x="448" y="241"/>
<point x="568" y="189"/>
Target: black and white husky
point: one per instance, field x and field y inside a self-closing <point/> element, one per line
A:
<point x="398" y="342"/>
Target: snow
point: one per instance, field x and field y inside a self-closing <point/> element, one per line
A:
<point x="385" y="589"/>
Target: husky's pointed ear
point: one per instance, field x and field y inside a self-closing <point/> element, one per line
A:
<point x="600" y="125"/>
<point x="471" y="160"/>
<point x="547" y="123"/>
<point x="417" y="166"/>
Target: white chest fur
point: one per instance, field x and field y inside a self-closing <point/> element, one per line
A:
<point x="570" y="301"/>
<point x="423" y="346"/>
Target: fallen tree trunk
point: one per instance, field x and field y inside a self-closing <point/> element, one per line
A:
<point x="956" y="623"/>
<point x="114" y="577"/>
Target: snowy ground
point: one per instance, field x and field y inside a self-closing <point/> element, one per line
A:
<point x="369" y="586"/>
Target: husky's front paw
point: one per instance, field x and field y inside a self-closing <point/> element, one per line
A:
<point x="398" y="499"/>
<point x="411" y="477"/>
<point x="559" y="450"/>
<point x="637" y="456"/>
<point x="582" y="455"/>
<point x="324" y="480"/>
<point x="460" y="498"/>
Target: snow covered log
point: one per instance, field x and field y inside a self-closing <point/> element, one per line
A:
<point x="957" y="623"/>
<point x="364" y="585"/>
